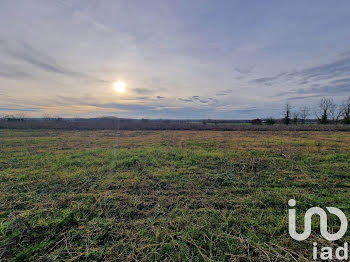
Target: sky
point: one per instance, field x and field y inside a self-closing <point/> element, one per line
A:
<point x="184" y="59"/>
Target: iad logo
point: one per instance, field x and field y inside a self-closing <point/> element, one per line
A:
<point x="326" y="253"/>
<point x="323" y="221"/>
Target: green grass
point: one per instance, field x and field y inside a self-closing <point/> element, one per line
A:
<point x="166" y="195"/>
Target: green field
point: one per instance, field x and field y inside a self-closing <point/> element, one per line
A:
<point x="166" y="195"/>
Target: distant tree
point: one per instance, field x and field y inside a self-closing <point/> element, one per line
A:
<point x="287" y="113"/>
<point x="20" y="116"/>
<point x="325" y="106"/>
<point x="304" y="114"/>
<point x="295" y="117"/>
<point x="270" y="121"/>
<point x="47" y="117"/>
<point x="345" y="111"/>
<point x="335" y="113"/>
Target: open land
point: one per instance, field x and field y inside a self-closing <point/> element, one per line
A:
<point x="166" y="195"/>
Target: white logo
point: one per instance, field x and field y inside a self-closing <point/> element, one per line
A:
<point x="323" y="222"/>
<point x="324" y="253"/>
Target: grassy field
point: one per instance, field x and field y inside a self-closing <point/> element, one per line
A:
<point x="166" y="195"/>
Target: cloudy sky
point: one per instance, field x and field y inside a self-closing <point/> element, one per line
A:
<point x="179" y="59"/>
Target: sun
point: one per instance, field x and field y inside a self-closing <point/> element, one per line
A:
<point x="119" y="87"/>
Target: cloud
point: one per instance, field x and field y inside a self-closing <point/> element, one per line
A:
<point x="246" y="111"/>
<point x="199" y="100"/>
<point x="327" y="79"/>
<point x="13" y="73"/>
<point x="335" y="87"/>
<point x="327" y="71"/>
<point x="294" y="98"/>
<point x="269" y="80"/>
<point x="17" y="109"/>
<point x="330" y="70"/>
<point x="185" y="100"/>
<point x="144" y="91"/>
<point x="341" y="81"/>
<point x="25" y="52"/>
<point x="330" y="89"/>
<point x="224" y="92"/>
<point x="242" y="71"/>
<point x="128" y="107"/>
<point x="38" y="59"/>
<point x="204" y="101"/>
<point x="80" y="109"/>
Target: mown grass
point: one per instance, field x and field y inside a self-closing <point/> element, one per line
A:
<point x="166" y="195"/>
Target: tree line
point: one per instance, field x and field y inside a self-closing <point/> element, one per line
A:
<point x="326" y="112"/>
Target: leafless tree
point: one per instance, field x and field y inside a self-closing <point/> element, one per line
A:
<point x="287" y="113"/>
<point x="304" y="114"/>
<point x="47" y="117"/>
<point x="295" y="117"/>
<point x="325" y="107"/>
<point x="335" y="112"/>
<point x="21" y="116"/>
<point x="345" y="111"/>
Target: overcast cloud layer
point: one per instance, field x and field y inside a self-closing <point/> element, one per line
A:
<point x="180" y="59"/>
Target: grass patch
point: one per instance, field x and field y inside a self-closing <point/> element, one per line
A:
<point x="165" y="195"/>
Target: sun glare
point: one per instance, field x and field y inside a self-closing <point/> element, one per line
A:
<point x="119" y="87"/>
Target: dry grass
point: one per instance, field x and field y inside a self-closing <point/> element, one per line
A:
<point x="165" y="195"/>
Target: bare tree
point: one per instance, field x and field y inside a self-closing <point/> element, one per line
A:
<point x="325" y="108"/>
<point x="335" y="113"/>
<point x="345" y="111"/>
<point x="304" y="113"/>
<point x="21" y="116"/>
<point x="47" y="117"/>
<point x="287" y="112"/>
<point x="295" y="117"/>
